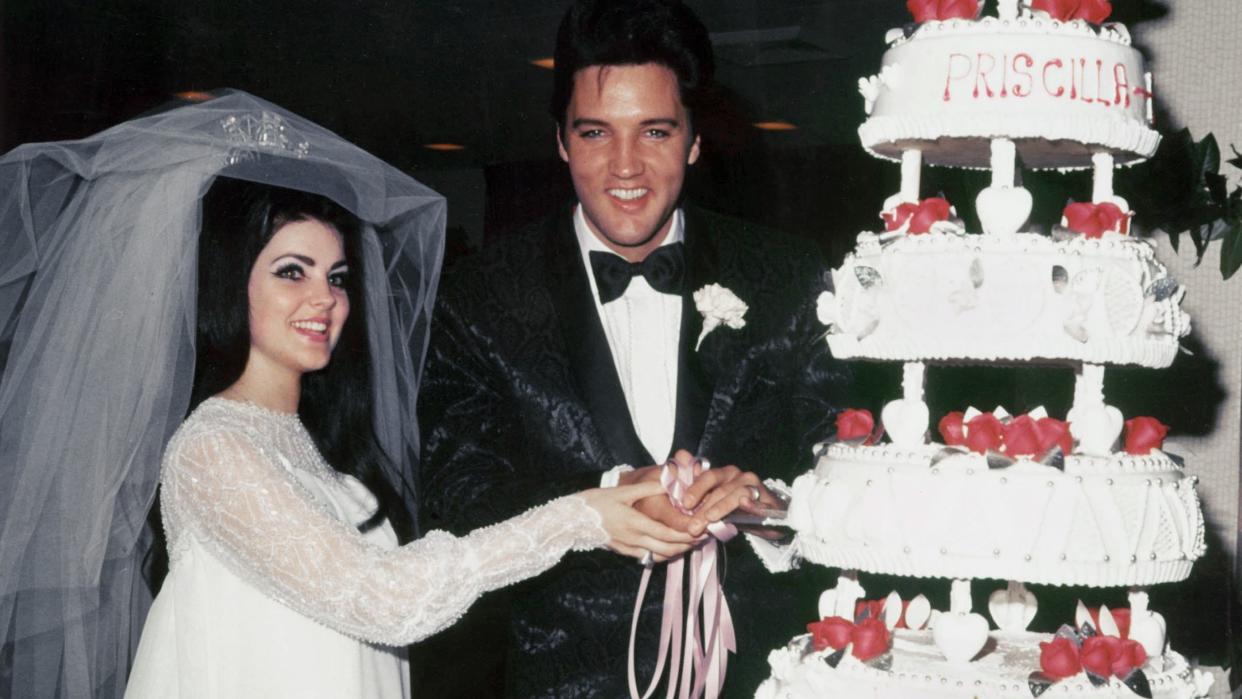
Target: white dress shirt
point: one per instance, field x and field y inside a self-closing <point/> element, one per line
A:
<point x="643" y="329"/>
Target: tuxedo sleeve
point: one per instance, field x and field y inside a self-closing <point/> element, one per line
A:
<point x="474" y="466"/>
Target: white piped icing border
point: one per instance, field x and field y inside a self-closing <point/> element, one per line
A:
<point x="1112" y="32"/>
<point x="1104" y="521"/>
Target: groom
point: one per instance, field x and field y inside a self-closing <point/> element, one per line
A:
<point x="573" y="355"/>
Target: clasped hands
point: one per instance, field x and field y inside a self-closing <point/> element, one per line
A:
<point x="665" y="530"/>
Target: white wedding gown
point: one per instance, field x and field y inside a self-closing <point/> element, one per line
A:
<point x="273" y="592"/>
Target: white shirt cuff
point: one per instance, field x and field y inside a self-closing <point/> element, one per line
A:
<point x="613" y="475"/>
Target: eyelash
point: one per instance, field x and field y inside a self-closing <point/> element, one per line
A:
<point x="295" y="272"/>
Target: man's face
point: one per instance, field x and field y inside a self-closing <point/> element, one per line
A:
<point x="627" y="142"/>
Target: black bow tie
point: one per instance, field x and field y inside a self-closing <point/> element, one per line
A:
<point x="663" y="269"/>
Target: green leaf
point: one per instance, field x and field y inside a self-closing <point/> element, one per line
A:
<point x="1231" y="249"/>
<point x="1207" y="156"/>
<point x="1235" y="161"/>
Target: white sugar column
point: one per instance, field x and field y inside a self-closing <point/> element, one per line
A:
<point x="1094" y="425"/>
<point x="911" y="171"/>
<point x="1008" y="9"/>
<point x="1004" y="155"/>
<point x="1102" y="180"/>
<point x="1003" y="207"/>
<point x="906" y="419"/>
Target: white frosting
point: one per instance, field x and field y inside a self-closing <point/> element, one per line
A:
<point x="918" y="670"/>
<point x="1104" y="521"/>
<point x="1061" y="91"/>
<point x="1005" y="297"/>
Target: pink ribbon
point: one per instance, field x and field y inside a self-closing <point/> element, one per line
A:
<point x="709" y="637"/>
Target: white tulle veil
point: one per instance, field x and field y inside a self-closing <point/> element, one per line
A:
<point x="97" y="316"/>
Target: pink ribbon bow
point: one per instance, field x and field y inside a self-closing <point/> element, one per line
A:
<point x="710" y="637"/>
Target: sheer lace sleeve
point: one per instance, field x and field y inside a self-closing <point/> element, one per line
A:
<point x="263" y="524"/>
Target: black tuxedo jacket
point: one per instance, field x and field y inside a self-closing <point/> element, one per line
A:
<point x="521" y="403"/>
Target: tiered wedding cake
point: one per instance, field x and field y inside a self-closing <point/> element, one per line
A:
<point x="1090" y="500"/>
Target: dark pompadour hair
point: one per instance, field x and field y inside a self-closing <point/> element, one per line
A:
<point x="632" y="32"/>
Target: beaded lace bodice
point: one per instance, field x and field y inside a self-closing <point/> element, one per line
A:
<point x="233" y="482"/>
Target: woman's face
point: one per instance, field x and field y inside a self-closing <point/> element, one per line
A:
<point x="298" y="303"/>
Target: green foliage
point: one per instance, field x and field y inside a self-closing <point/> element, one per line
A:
<point x="1181" y="190"/>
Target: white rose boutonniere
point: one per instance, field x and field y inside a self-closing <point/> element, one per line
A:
<point x="719" y="305"/>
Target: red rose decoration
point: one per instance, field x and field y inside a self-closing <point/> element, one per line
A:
<point x="1094" y="220"/>
<point x="925" y="10"/>
<point x="1021" y="436"/>
<point x="1059" y="658"/>
<point x="1144" y="434"/>
<point x="870" y="639"/>
<point x="920" y="216"/>
<point x="984" y="432"/>
<point x="952" y="430"/>
<point x="832" y="632"/>
<point x="1097" y="654"/>
<point x="873" y="608"/>
<point x="854" y="424"/>
<point x="1128" y="656"/>
<point x="1054" y="433"/>
<point x="1094" y="11"/>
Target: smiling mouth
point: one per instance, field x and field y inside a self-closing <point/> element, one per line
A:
<point x="313" y="326"/>
<point x="628" y="194"/>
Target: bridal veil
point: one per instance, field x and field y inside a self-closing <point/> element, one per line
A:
<point x="97" y="316"/>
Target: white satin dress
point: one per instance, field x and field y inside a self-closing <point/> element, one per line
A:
<point x="273" y="592"/>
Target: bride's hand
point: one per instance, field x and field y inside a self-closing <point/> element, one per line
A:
<point x="630" y="532"/>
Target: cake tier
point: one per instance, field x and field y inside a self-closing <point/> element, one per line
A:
<point x="1059" y="90"/>
<point x="1103" y="521"/>
<point x="943" y="296"/>
<point x="919" y="670"/>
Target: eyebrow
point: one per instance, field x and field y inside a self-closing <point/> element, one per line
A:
<point x="661" y="121"/>
<point x="309" y="261"/>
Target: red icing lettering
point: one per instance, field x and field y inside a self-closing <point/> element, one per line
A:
<point x="1027" y="61"/>
<point x="981" y="74"/>
<point x="956" y="76"/>
<point x="1121" y="83"/>
<point x="1056" y="62"/>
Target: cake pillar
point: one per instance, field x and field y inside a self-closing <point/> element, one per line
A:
<point x="1094" y="425"/>
<point x="1103" y="177"/>
<point x="1008" y="9"/>
<point x="905" y="419"/>
<point x="1003" y="207"/>
<point x="1004" y="153"/>
<point x="911" y="170"/>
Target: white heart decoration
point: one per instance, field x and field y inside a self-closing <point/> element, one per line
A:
<point x="905" y="422"/>
<point x="1108" y="625"/>
<point x="1003" y="210"/>
<point x="1096" y="428"/>
<point x="841" y="600"/>
<point x="892" y="610"/>
<point x="1146" y="627"/>
<point x="918" y="612"/>
<point x="960" y="637"/>
<point x="1082" y="616"/>
<point x="1013" y="608"/>
<point x="828" y="604"/>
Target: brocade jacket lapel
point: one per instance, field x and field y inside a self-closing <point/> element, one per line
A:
<point x="694" y="384"/>
<point x="586" y="347"/>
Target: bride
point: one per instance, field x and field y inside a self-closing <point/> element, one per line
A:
<point x="293" y="327"/>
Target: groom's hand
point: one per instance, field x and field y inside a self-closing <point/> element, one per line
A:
<point x="659" y="507"/>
